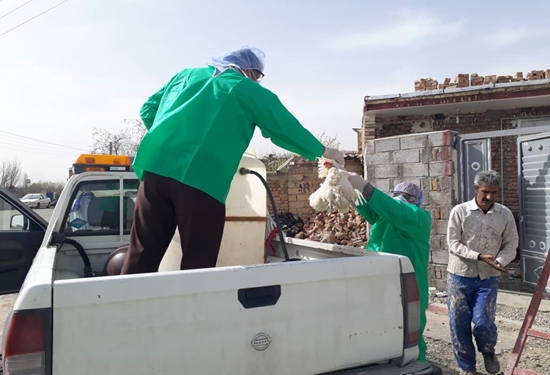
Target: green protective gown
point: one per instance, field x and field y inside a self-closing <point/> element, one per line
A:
<point x="199" y="126"/>
<point x="404" y="229"/>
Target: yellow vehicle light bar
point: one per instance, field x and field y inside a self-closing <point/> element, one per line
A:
<point x="101" y="163"/>
<point x="91" y="159"/>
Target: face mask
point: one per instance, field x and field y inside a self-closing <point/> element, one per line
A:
<point x="402" y="199"/>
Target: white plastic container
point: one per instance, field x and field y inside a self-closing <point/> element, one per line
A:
<point x="245" y="225"/>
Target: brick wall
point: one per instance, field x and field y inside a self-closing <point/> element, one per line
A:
<point x="292" y="187"/>
<point x="278" y="184"/>
<point x="427" y="160"/>
<point x="483" y="121"/>
<point x="474" y="79"/>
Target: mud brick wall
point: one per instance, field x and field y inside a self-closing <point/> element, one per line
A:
<point x="428" y="160"/>
<point x="292" y="187"/>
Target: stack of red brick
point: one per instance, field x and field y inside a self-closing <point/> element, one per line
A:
<point x="468" y="80"/>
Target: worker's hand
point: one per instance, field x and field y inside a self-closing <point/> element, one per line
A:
<point x="357" y="181"/>
<point x="490" y="260"/>
<point x="334" y="154"/>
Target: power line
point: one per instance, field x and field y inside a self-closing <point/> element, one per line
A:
<point x="26" y="151"/>
<point x="31" y="143"/>
<point x="20" y="6"/>
<point x="30" y="19"/>
<point x="34" y="147"/>
<point x="38" y="140"/>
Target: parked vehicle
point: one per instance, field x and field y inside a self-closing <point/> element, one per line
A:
<point x="307" y="308"/>
<point x="52" y="195"/>
<point x="36" y="201"/>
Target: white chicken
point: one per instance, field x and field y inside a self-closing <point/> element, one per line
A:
<point x="336" y="192"/>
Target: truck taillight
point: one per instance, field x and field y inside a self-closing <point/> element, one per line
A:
<point x="411" y="306"/>
<point x="27" y="343"/>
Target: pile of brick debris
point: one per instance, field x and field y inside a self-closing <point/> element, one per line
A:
<point x="343" y="229"/>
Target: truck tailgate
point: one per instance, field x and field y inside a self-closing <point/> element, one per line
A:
<point x="309" y="317"/>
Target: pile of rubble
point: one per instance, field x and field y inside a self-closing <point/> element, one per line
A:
<point x="348" y="229"/>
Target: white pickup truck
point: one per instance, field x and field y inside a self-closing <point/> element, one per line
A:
<point x="333" y="309"/>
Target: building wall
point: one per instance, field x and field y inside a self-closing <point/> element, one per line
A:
<point x="491" y="120"/>
<point x="292" y="187"/>
<point x="429" y="161"/>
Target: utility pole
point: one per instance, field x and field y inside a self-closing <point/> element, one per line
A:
<point x="110" y="148"/>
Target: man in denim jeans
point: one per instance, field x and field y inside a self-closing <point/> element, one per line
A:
<point x="482" y="239"/>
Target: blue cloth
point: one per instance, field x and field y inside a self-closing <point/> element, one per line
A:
<point x="472" y="300"/>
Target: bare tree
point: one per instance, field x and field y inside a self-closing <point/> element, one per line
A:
<point x="136" y="133"/>
<point x="10" y="173"/>
<point x="122" y="142"/>
<point x="329" y="141"/>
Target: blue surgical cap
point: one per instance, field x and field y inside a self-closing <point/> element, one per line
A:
<point x="411" y="189"/>
<point x="246" y="58"/>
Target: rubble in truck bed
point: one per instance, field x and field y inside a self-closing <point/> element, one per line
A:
<point x="347" y="229"/>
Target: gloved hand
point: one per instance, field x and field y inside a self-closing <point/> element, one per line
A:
<point x="357" y="181"/>
<point x="334" y="154"/>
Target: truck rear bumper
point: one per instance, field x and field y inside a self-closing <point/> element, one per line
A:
<point x="415" y="368"/>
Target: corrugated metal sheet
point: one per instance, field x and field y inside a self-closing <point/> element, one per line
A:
<point x="534" y="162"/>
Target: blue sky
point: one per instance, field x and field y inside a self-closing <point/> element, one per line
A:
<point x="91" y="63"/>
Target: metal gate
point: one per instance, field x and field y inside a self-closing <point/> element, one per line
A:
<point x="534" y="214"/>
<point x="474" y="153"/>
<point x="476" y="156"/>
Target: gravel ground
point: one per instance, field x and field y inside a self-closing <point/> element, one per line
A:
<point x="542" y="319"/>
<point x="535" y="355"/>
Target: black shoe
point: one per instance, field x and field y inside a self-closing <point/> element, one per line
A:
<point x="491" y="363"/>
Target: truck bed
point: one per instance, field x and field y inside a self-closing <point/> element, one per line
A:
<point x="296" y="323"/>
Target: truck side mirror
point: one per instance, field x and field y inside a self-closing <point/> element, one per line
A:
<point x="19" y="222"/>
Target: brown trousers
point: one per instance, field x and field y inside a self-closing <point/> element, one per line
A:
<point x="161" y="204"/>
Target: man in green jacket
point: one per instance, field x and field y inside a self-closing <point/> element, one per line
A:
<point x="198" y="127"/>
<point x="399" y="226"/>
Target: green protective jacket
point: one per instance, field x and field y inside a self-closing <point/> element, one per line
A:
<point x="403" y="229"/>
<point x="199" y="126"/>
